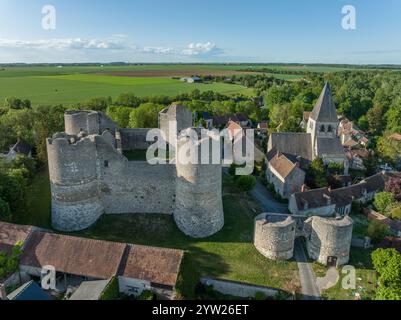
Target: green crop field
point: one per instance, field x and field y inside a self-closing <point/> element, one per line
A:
<point x="69" y="89"/>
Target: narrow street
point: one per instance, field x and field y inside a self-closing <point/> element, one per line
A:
<point x="266" y="200"/>
<point x="310" y="290"/>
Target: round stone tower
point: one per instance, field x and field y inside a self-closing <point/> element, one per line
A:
<point x="76" y="202"/>
<point x="198" y="204"/>
<point x="329" y="240"/>
<point x="274" y="236"/>
<point x="77" y="121"/>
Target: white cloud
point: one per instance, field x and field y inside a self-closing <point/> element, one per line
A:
<point x="195" y="49"/>
<point x="114" y="48"/>
<point x="66" y="43"/>
<point x="159" y="50"/>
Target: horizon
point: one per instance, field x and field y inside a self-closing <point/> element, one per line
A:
<point x="155" y="32"/>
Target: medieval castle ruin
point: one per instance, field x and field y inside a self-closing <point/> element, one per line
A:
<point x="90" y="176"/>
<point x="328" y="240"/>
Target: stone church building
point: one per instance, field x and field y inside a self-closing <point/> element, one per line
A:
<point x="290" y="153"/>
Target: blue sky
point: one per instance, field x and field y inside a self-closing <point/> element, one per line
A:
<point x="306" y="31"/>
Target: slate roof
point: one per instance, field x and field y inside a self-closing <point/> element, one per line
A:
<point x="329" y="146"/>
<point x="30" y="291"/>
<point x="295" y="144"/>
<point x="343" y="196"/>
<point x="21" y="147"/>
<point x="325" y="110"/>
<point x="10" y="234"/>
<point x="156" y="265"/>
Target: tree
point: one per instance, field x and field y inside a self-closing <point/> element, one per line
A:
<point x="9" y="264"/>
<point x="96" y="104"/>
<point x="374" y="117"/>
<point x="384" y="201"/>
<point x="377" y="231"/>
<point x="128" y="100"/>
<point x="145" y="116"/>
<point x="387" y="262"/>
<point x="16" y="104"/>
<point x="393" y="185"/>
<point x="317" y="171"/>
<point x="395" y="212"/>
<point x="120" y="115"/>
<point x="388" y="149"/>
<point x="246" y="183"/>
<point x="48" y="120"/>
<point x="5" y="212"/>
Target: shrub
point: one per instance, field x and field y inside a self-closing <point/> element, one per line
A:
<point x="5" y="212"/>
<point x="377" y="231"/>
<point x="112" y="291"/>
<point x="383" y="201"/>
<point x="395" y="212"/>
<point x="246" y="183"/>
<point x="146" y="295"/>
<point x="260" y="296"/>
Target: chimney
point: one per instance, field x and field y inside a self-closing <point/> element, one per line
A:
<point x="3" y="294"/>
<point x="328" y="199"/>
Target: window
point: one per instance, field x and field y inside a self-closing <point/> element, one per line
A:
<point x="106" y="164"/>
<point x="321" y="128"/>
<point x="330" y="129"/>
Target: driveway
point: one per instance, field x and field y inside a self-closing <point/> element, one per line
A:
<point x="310" y="290"/>
<point x="266" y="200"/>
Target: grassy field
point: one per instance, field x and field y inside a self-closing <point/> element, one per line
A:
<point x="229" y="254"/>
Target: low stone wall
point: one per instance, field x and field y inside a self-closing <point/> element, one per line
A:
<point x="238" y="289"/>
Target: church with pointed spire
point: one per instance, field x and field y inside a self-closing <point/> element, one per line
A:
<point x="289" y="154"/>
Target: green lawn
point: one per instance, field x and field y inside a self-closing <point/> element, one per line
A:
<point x="229" y="254"/>
<point x="366" y="278"/>
<point x="36" y="209"/>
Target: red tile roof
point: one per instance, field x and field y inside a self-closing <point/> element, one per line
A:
<point x="156" y="265"/>
<point x="10" y="234"/>
<point x="72" y="255"/>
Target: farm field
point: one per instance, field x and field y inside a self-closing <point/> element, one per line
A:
<point x="70" y="89"/>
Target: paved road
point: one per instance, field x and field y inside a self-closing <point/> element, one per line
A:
<point x="310" y="290"/>
<point x="266" y="200"/>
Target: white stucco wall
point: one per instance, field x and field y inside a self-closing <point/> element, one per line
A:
<point x="131" y="286"/>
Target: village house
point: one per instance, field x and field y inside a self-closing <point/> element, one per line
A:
<point x="326" y="202"/>
<point x="356" y="158"/>
<point x="20" y="147"/>
<point x="84" y="267"/>
<point x="286" y="176"/>
<point x="350" y="135"/>
<point x="222" y="121"/>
